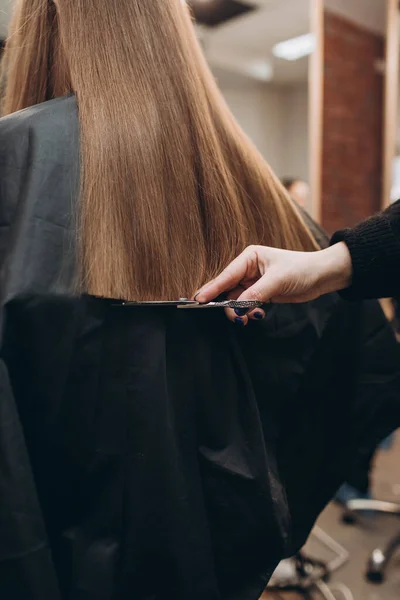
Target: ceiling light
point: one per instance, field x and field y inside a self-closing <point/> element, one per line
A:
<point x="295" y="48"/>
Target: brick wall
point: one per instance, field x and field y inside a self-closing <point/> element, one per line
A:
<point x="352" y="124"/>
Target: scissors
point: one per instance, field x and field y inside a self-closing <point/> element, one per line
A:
<point x="185" y="304"/>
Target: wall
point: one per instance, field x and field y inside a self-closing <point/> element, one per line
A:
<point x="352" y="123"/>
<point x="258" y="112"/>
<point x="275" y="119"/>
<point x="294" y="141"/>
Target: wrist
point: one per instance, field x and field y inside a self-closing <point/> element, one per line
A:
<point x="334" y="268"/>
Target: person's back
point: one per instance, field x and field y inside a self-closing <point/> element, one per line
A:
<point x="159" y="453"/>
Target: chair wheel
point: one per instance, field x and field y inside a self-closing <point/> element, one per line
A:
<point x="375" y="576"/>
<point x="376" y="566"/>
<point x="348" y="517"/>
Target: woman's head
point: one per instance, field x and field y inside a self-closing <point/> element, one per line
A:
<point x="171" y="188"/>
<point x="298" y="189"/>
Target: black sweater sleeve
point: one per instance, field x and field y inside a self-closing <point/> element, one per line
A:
<point x="374" y="246"/>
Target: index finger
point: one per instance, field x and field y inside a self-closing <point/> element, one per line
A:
<point x="226" y="281"/>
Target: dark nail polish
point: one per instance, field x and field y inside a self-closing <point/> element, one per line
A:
<point x="259" y="316"/>
<point x="240" y="311"/>
<point x="239" y="321"/>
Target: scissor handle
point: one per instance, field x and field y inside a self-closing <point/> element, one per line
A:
<point x="246" y="304"/>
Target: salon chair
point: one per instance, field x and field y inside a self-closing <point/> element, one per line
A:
<point x="380" y="557"/>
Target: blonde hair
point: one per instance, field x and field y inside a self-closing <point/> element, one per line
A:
<point x="171" y="188"/>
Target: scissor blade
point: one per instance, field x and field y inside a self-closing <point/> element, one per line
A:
<point x="156" y="303"/>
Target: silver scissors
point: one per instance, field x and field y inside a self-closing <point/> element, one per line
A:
<point x="185" y="303"/>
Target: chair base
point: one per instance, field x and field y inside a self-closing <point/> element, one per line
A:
<point x="380" y="558"/>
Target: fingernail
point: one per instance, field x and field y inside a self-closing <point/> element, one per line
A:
<point x="259" y="316"/>
<point x="239" y="321"/>
<point x="240" y="311"/>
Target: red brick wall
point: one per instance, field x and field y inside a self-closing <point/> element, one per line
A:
<point x="352" y="124"/>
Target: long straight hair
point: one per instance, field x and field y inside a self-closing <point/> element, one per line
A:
<point x="171" y="188"/>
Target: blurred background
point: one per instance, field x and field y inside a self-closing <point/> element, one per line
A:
<point x="315" y="85"/>
<point x="306" y="80"/>
<point x="264" y="82"/>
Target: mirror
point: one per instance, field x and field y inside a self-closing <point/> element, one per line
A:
<point x="259" y="51"/>
<point x="353" y="111"/>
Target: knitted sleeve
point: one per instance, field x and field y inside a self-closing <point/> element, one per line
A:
<point x="374" y="246"/>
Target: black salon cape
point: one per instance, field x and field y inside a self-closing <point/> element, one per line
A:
<point x="160" y="454"/>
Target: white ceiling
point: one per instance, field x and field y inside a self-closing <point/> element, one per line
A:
<point x="248" y="40"/>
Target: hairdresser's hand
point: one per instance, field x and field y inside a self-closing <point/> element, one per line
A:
<point x="273" y="275"/>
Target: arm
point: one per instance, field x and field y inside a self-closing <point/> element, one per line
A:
<point x="364" y="262"/>
<point x="374" y="247"/>
<point x="282" y="276"/>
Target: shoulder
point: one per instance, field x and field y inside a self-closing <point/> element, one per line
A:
<point x="47" y="126"/>
<point x="40" y="116"/>
<point x="39" y="161"/>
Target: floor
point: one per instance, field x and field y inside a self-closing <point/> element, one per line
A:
<point x="360" y="539"/>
